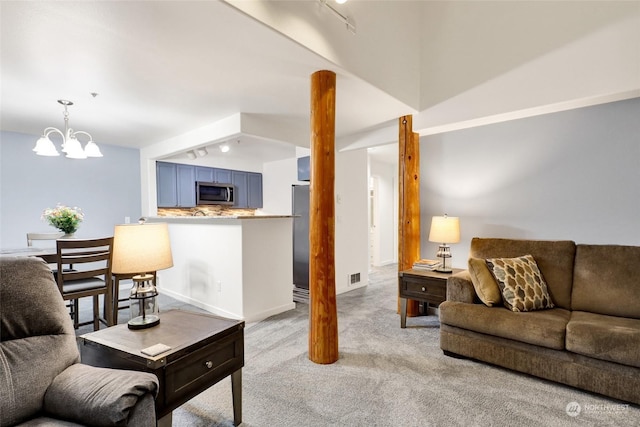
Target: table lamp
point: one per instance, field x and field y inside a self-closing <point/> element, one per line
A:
<point x="444" y="229"/>
<point x="141" y="249"/>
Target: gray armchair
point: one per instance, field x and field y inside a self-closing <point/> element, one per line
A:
<point x="42" y="381"/>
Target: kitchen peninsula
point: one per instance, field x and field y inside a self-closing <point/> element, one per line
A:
<point x="232" y="266"/>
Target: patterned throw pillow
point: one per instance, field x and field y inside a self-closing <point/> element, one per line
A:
<point x="521" y="283"/>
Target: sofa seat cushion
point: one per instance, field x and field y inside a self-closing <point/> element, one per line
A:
<point x="545" y="328"/>
<point x="615" y="339"/>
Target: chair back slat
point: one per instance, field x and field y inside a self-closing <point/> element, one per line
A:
<point x="84" y="274"/>
<point x="84" y="257"/>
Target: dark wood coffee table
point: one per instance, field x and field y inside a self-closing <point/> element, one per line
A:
<point x="204" y="350"/>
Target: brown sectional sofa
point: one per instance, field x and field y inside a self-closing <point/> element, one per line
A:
<point x="589" y="340"/>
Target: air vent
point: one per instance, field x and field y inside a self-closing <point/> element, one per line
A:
<point x="354" y="278"/>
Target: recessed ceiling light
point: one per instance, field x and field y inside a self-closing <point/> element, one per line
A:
<point x="224" y="148"/>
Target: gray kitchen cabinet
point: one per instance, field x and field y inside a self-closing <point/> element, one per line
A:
<point x="254" y="190"/>
<point x="248" y="189"/>
<point x="207" y="174"/>
<point x="167" y="190"/>
<point x="176" y="184"/>
<point x="222" y="176"/>
<point x="186" y="184"/>
<point x="204" y="174"/>
<point x="239" y="180"/>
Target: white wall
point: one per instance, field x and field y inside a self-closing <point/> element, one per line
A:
<point x="387" y="207"/>
<point x="277" y="179"/>
<point x="107" y="189"/>
<point x="571" y="175"/>
<point x="371" y="54"/>
<point x="231" y="267"/>
<point x="208" y="268"/>
<point x="351" y="228"/>
<point x="482" y="59"/>
<point x="217" y="160"/>
<point x="352" y="223"/>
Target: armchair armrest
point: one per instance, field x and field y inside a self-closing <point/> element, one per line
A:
<point x="100" y="396"/>
<point x="460" y="288"/>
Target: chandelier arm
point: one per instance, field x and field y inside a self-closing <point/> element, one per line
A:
<point x="81" y="132"/>
<point x="49" y="131"/>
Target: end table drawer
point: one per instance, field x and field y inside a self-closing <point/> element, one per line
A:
<point x="208" y="364"/>
<point x="425" y="289"/>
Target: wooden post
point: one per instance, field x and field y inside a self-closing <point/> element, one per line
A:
<point x="323" y="314"/>
<point x="409" y="201"/>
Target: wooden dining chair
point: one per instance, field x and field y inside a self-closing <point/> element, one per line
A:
<point x="31" y="237"/>
<point x="91" y="276"/>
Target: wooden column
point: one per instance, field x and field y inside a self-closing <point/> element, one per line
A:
<point x="409" y="201"/>
<point x="323" y="315"/>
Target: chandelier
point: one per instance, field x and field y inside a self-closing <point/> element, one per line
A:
<point x="70" y="144"/>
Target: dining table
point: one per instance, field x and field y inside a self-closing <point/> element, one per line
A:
<point x="50" y="256"/>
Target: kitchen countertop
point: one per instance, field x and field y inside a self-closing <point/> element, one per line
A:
<point x="200" y="219"/>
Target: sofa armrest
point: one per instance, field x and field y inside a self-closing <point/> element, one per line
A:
<point x="460" y="288"/>
<point x="100" y="396"/>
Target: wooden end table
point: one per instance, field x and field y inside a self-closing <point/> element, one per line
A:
<point x="204" y="350"/>
<point x="421" y="285"/>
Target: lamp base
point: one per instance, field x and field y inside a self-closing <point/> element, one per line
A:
<point x="444" y="252"/>
<point x="143" y="322"/>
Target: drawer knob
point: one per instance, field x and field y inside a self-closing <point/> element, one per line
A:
<point x="209" y="364"/>
<point x="424" y="289"/>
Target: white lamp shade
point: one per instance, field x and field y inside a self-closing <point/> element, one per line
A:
<point x="73" y="148"/>
<point x="141" y="248"/>
<point x="44" y="147"/>
<point x="445" y="229"/>
<point x="92" y="150"/>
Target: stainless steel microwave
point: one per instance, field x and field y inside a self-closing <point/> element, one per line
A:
<point x="214" y="193"/>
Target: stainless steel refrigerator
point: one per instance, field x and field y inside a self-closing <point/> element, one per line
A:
<point x="300" y="210"/>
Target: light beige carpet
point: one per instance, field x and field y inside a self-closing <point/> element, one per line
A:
<point x="386" y="376"/>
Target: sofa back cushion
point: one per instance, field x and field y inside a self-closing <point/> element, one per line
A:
<point x="554" y="259"/>
<point x="607" y="280"/>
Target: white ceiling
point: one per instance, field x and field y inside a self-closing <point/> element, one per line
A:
<point x="161" y="69"/>
<point x="164" y="69"/>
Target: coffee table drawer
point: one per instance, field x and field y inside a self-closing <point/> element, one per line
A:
<point x="207" y="365"/>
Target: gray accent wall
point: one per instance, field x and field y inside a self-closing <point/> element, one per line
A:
<point x="107" y="189"/>
<point x="571" y="175"/>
